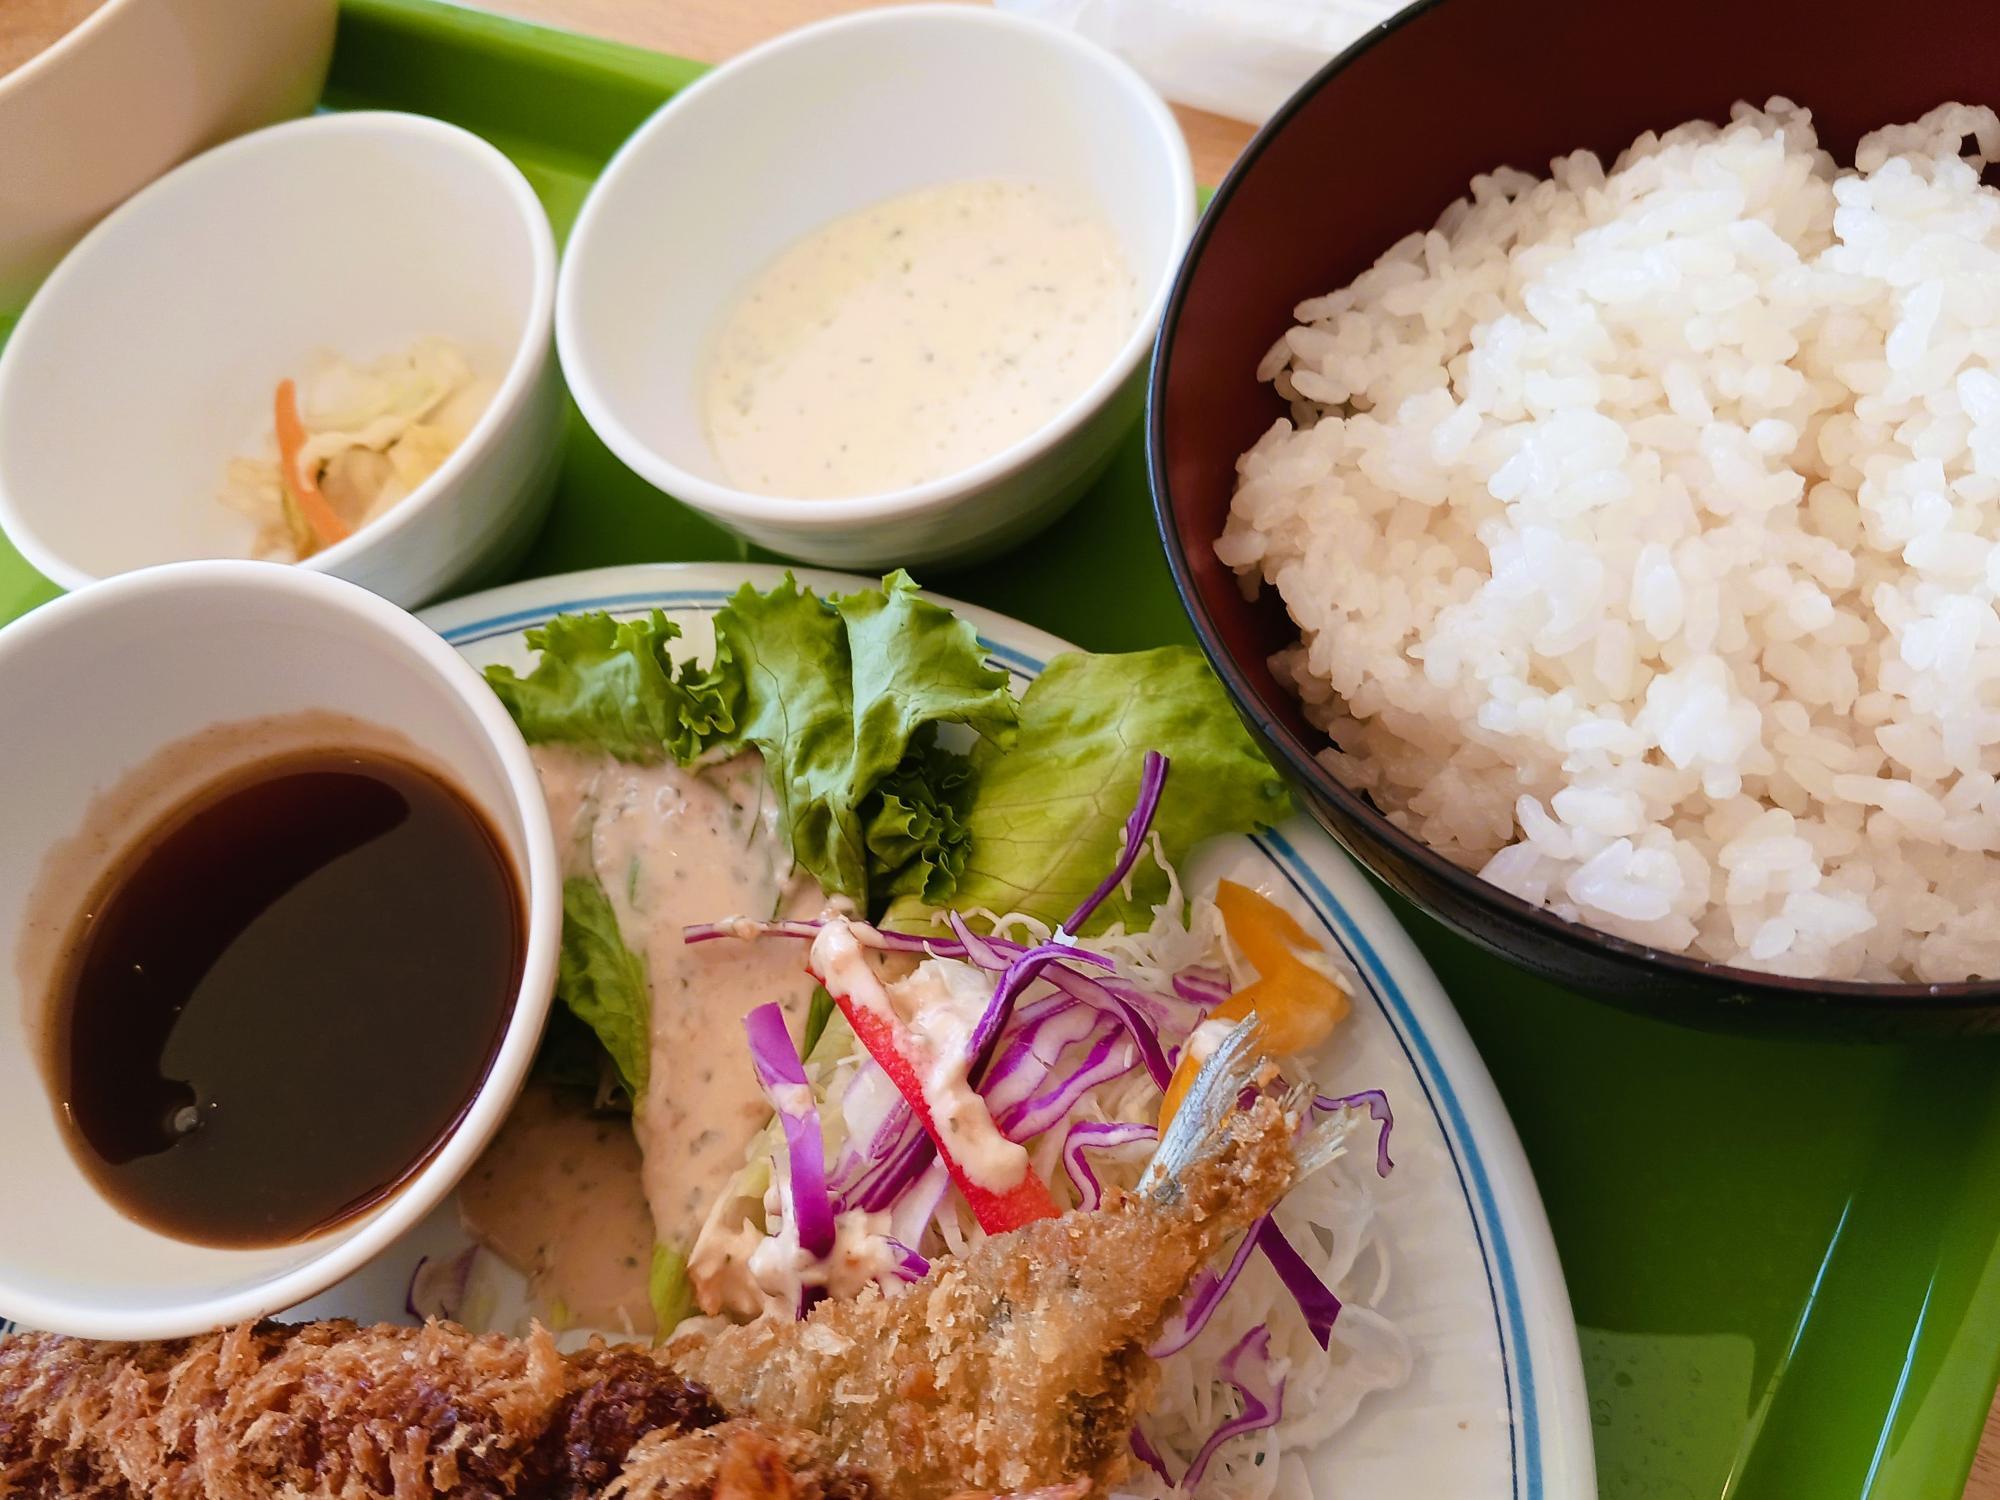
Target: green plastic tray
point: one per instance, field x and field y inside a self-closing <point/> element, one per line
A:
<point x="1782" y="1255"/>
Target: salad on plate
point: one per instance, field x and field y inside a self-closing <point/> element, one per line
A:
<point x="882" y="960"/>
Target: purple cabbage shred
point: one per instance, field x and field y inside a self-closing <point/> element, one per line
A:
<point x="1377" y="1104"/>
<point x="1152" y="780"/>
<point x="1247" y="1367"/>
<point x="1315" y="1298"/>
<point x="1093" y="1135"/>
<point x="783" y="1078"/>
<point x="1147" y="1454"/>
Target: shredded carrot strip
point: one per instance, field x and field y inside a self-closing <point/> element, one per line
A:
<point x="327" y="527"/>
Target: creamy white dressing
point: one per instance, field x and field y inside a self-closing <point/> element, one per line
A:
<point x="1206" y="1037"/>
<point x="743" y="1272"/>
<point x="914" y="339"/>
<point x="673" y="847"/>
<point x="782" y="1269"/>
<point x="719" y="1270"/>
<point x="932" y="1010"/>
<point x="943" y="999"/>
<point x="791" y="1098"/>
<point x="843" y="967"/>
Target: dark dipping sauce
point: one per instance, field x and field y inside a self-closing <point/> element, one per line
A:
<point x="283" y="997"/>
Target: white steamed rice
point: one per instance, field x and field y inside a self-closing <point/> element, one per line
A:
<point x="1641" y="532"/>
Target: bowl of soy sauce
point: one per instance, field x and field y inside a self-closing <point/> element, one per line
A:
<point x="282" y="909"/>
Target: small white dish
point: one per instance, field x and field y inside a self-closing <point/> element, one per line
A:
<point x="148" y="360"/>
<point x="102" y="680"/>
<point x="810" y="127"/>
<point x="133" y="88"/>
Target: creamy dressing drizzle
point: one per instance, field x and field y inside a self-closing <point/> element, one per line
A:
<point x="792" y="1098"/>
<point x="1206" y="1037"/>
<point x="742" y="1271"/>
<point x="914" y="339"/>
<point x="673" y="847"/>
<point x="557" y="1197"/>
<point x="933" y="1010"/>
<point x="860" y="1255"/>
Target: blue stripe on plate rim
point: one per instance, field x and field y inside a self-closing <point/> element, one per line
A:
<point x="1475" y="1183"/>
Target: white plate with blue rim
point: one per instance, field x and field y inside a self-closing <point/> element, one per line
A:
<point x="1493" y="1405"/>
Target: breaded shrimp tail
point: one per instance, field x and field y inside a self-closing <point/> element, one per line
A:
<point x="1023" y="1362"/>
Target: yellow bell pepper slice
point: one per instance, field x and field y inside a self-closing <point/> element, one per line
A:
<point x="1297" y="1006"/>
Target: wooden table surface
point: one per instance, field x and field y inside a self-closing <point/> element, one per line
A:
<point x="712" y="30"/>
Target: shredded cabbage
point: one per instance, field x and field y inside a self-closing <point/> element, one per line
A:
<point x="1266" y="1367"/>
<point x="374" y="433"/>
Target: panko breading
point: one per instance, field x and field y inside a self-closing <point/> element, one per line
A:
<point x="735" y="1461"/>
<point x="330" y="1409"/>
<point x="1022" y="1362"/>
<point x="1013" y="1372"/>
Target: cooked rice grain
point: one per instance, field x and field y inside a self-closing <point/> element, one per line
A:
<point x="1641" y="532"/>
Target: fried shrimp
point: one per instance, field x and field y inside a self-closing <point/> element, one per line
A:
<point x="1023" y="1362"/>
<point x="1013" y="1372"/>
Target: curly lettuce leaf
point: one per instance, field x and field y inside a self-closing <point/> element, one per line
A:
<point x="1046" y="818"/>
<point x="603" y="982"/>
<point x="838" y="694"/>
<point x="915" y="829"/>
<point x="610" y="685"/>
<point x="835" y="693"/>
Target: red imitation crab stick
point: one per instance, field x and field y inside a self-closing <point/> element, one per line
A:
<point x="894" y="1051"/>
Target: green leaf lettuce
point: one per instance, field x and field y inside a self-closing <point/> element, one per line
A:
<point x="836" y="694"/>
<point x="1046" y="819"/>
<point x="604" y="982"/>
<point x="842" y="696"/>
<point x="610" y="685"/>
<point x="668" y="1289"/>
<point x="916" y="834"/>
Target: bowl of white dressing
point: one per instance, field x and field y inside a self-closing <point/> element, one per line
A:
<point x="881" y="291"/>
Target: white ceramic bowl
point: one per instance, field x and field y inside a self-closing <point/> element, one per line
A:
<point x="815" y="125"/>
<point x="138" y="86"/>
<point x="96" y="683"/>
<point x="147" y="361"/>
